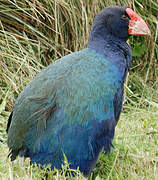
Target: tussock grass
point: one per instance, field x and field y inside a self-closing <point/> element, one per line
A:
<point x="34" y="33"/>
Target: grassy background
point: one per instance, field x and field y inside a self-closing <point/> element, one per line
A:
<point x="34" y="33"/>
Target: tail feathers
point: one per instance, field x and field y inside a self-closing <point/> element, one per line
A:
<point x="9" y="121"/>
<point x="13" y="154"/>
<point x="22" y="152"/>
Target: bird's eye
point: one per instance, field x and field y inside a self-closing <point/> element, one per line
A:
<point x="125" y="17"/>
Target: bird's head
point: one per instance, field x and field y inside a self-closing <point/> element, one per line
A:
<point x="120" y="22"/>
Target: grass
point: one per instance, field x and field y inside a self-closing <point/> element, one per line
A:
<point x="33" y="34"/>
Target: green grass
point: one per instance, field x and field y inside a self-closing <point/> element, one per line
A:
<point x="33" y="34"/>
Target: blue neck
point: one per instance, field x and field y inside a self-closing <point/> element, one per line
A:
<point x="115" y="50"/>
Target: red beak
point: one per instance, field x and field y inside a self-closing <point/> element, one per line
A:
<point x="137" y="25"/>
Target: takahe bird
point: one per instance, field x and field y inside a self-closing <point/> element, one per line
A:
<point x="72" y="106"/>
